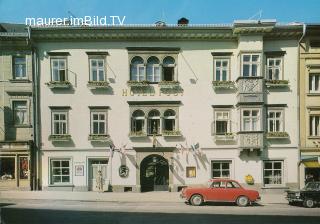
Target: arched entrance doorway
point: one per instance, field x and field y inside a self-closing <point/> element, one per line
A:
<point x="154" y="174"/>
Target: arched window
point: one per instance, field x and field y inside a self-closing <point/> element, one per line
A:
<point x="168" y="68"/>
<point x="154" y="122"/>
<point x="169" y="120"/>
<point x="153" y="69"/>
<point x="137" y="121"/>
<point x="137" y="69"/>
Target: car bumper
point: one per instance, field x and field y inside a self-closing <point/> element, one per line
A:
<point x="294" y="199"/>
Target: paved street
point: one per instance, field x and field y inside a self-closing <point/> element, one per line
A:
<point x="65" y="211"/>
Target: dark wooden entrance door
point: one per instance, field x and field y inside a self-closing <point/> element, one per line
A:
<point x="154" y="174"/>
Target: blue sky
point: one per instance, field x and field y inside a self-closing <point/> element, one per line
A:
<point x="150" y="11"/>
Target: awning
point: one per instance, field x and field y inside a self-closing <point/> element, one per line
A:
<point x="314" y="164"/>
<point x="311" y="161"/>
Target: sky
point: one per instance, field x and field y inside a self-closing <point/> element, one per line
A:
<point x="169" y="11"/>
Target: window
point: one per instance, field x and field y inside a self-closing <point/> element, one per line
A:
<point x="58" y="69"/>
<point x="154" y="122"/>
<point x="222" y="122"/>
<point x="168" y="68"/>
<point x="24" y="167"/>
<point x="98" y="122"/>
<point x="169" y="120"/>
<point x="137" y="69"/>
<point x="59" y="122"/>
<point x="314" y="125"/>
<point x="19" y="65"/>
<point x="97" y="70"/>
<point x="221" y="69"/>
<point x="191" y="172"/>
<point x="250" y="65"/>
<point x="60" y="171"/>
<point x="221" y="169"/>
<point x="274" y="68"/>
<point x="250" y="120"/>
<point x="272" y="172"/>
<point x="7" y="168"/>
<point x="153" y="69"/>
<point x="275" y="121"/>
<point x="137" y="121"/>
<point x="20" y="112"/>
<point x="314" y="83"/>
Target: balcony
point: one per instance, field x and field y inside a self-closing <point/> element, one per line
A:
<point x="175" y="133"/>
<point x="137" y="134"/>
<point x="225" y="137"/>
<point x="277" y="135"/>
<point x="98" y="84"/>
<point x="60" y="138"/>
<point x="99" y="137"/>
<point x="251" y="140"/>
<point x="138" y="84"/>
<point x="169" y="85"/>
<point x="59" y="84"/>
<point x="250" y="90"/>
<point x="277" y="83"/>
<point x="220" y="85"/>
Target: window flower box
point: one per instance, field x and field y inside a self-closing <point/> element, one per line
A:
<point x="97" y="84"/>
<point x="175" y="133"/>
<point x="169" y="84"/>
<point x="229" y="136"/>
<point x="137" y="134"/>
<point x="133" y="83"/>
<point x="99" y="137"/>
<point x="277" y="135"/>
<point x="59" y="84"/>
<point x="223" y="84"/>
<point x="61" y="138"/>
<point x="270" y="83"/>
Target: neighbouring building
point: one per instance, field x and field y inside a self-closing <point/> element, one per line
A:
<point x="310" y="104"/>
<point x="159" y="107"/>
<point x="17" y="154"/>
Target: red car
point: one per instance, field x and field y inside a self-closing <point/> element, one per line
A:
<point x="220" y="190"/>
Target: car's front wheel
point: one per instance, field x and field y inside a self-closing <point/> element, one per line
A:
<point x="242" y="201"/>
<point x="308" y="203"/>
<point x="196" y="200"/>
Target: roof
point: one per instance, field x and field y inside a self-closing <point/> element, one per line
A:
<point x="12" y="30"/>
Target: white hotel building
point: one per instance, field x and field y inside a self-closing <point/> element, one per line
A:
<point x="181" y="104"/>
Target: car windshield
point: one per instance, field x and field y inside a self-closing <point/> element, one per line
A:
<point x="312" y="186"/>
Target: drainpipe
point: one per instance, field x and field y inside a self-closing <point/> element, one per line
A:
<point x="298" y="93"/>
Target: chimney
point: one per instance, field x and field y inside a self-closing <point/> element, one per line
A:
<point x="183" y="22"/>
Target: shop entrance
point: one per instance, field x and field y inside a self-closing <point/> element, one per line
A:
<point x="154" y="174"/>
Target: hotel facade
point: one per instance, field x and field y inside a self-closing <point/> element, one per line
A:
<point x="161" y="107"/>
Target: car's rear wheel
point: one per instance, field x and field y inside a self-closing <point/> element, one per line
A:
<point x="242" y="201"/>
<point x="308" y="203"/>
<point x="196" y="200"/>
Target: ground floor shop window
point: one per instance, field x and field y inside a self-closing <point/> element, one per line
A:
<point x="60" y="171"/>
<point x="273" y="172"/>
<point x="191" y="172"/>
<point x="24" y="168"/>
<point x="220" y="169"/>
<point x="7" y="168"/>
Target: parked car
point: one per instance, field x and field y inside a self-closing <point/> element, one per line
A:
<point x="308" y="196"/>
<point x="220" y="190"/>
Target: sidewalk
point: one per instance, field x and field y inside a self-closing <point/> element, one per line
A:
<point x="117" y="197"/>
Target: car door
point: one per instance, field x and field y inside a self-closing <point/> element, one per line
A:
<point x="216" y="191"/>
<point x="233" y="191"/>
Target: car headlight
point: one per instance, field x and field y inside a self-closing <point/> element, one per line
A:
<point x="298" y="194"/>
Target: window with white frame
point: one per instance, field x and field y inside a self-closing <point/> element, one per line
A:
<point x="275" y="120"/>
<point x="314" y="83"/>
<point x="274" y="68"/>
<point x="59" y="69"/>
<point x="168" y="69"/>
<point x="137" y="69"/>
<point x="222" y="122"/>
<point x="137" y="121"/>
<point x="273" y="172"/>
<point x="169" y="120"/>
<point x="59" y="122"/>
<point x="98" y="122"/>
<point x="250" y="120"/>
<point x="19" y="66"/>
<point x="221" y="69"/>
<point x="97" y="69"/>
<point x="221" y="169"/>
<point x="153" y="69"/>
<point x="20" y="112"/>
<point x="250" y="65"/>
<point x="314" y="125"/>
<point x="60" y="171"/>
<point x="154" y="122"/>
